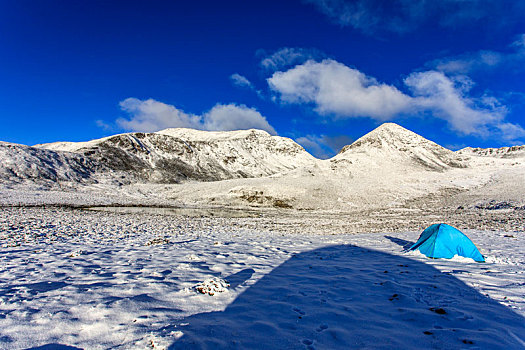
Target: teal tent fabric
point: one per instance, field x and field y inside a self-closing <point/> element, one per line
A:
<point x="445" y="241"/>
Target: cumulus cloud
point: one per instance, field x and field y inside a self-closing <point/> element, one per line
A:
<point x="235" y="117"/>
<point x="241" y="81"/>
<point x="338" y="91"/>
<point x="288" y="56"/>
<point x="483" y="60"/>
<point x="324" y="146"/>
<point x="437" y="93"/>
<point x="402" y="16"/>
<point x="151" y="115"/>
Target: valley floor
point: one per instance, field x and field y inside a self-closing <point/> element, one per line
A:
<point x="144" y="279"/>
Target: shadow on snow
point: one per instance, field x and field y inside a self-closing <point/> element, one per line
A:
<point x="345" y="296"/>
<point x="400" y="242"/>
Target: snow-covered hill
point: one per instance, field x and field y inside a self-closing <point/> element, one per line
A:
<point x="62" y="266"/>
<point x="385" y="168"/>
<point x="172" y="155"/>
<point x="391" y="144"/>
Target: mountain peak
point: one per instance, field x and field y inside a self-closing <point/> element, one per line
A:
<point x="392" y="142"/>
<point x="390" y="127"/>
<point x="387" y="134"/>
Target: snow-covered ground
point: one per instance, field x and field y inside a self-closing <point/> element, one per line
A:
<point x="284" y="252"/>
<point x="134" y="279"/>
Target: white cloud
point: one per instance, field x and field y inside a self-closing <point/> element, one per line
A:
<point x="466" y="63"/>
<point x="519" y="43"/>
<point x="241" y="81"/>
<point x="435" y="92"/>
<point x="483" y="60"/>
<point x="402" y="16"/>
<point x="103" y="125"/>
<point x="511" y="132"/>
<point x="288" y="56"/>
<point x="336" y="90"/>
<point x="151" y="115"/>
<point x="235" y="117"/>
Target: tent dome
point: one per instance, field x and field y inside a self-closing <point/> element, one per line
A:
<point x="445" y="241"/>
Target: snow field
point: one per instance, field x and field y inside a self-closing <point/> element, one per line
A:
<point x="115" y="280"/>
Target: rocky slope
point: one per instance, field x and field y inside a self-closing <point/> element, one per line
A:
<point x="21" y="163"/>
<point x="502" y="152"/>
<point x="168" y="156"/>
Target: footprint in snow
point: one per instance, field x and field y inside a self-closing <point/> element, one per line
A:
<point x="322" y="328"/>
<point x="394" y="297"/>
<point x="438" y="310"/>
<point x="299" y="311"/>
<point x="309" y="344"/>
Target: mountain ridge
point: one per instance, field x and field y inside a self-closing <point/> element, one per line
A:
<point x="501" y="152"/>
<point x="388" y="167"/>
<point x="175" y="155"/>
<point x="181" y="154"/>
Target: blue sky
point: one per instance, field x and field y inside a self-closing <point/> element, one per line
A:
<point x="323" y="72"/>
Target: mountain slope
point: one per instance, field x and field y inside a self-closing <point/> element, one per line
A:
<point x="386" y="167"/>
<point x="391" y="144"/>
<point x="21" y="163"/>
<point x="172" y="155"/>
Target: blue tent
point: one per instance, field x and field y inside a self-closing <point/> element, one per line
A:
<point x="445" y="241"/>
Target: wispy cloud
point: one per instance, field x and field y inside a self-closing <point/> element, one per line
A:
<point x="338" y="91"/>
<point x="103" y="125"/>
<point x="241" y="81"/>
<point x="288" y="56"/>
<point x="447" y="99"/>
<point x="403" y="16"/>
<point x="484" y="60"/>
<point x="151" y="115"/>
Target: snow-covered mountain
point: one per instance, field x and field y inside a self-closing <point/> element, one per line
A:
<point x="389" y="166"/>
<point x="391" y="144"/>
<point x="167" y="156"/>
<point x="386" y="167"/>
